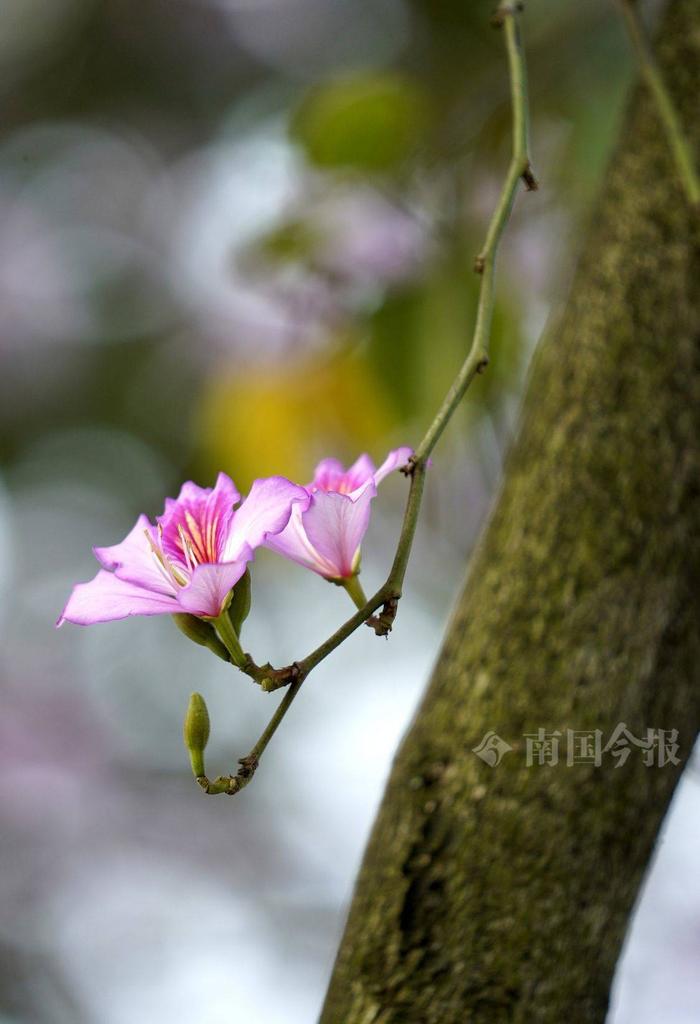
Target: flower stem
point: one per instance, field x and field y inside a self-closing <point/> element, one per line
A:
<point x="274" y="722"/>
<point x="230" y="639"/>
<point x="664" y="104"/>
<point x="354" y="588"/>
<point x="232" y="784"/>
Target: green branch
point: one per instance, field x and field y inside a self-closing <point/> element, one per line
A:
<point x="385" y="601"/>
<point x="354" y="590"/>
<point x="232" y="784"/>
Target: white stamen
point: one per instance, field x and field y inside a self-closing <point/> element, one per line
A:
<point x="170" y="572"/>
<point x="187" y="549"/>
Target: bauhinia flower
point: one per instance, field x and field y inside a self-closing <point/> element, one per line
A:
<point x="190" y="560"/>
<point x="325" y="534"/>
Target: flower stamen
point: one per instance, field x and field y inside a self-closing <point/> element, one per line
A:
<point x="170" y="572"/>
<point x="187" y="549"/>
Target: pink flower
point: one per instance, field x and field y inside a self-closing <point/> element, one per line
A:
<point x="191" y="559"/>
<point x="325" y="535"/>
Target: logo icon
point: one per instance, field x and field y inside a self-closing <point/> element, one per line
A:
<point x="492" y="749"/>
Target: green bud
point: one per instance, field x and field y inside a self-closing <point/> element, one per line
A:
<point x="239" y="606"/>
<point x="202" y="632"/>
<point x="196" y="732"/>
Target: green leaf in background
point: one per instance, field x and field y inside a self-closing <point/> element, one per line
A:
<point x="367" y="122"/>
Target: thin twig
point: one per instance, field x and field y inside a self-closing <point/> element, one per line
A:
<point x="385" y="600"/>
<point x="232" y="784"/>
<point x="677" y="140"/>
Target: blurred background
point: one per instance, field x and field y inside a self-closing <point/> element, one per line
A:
<point x="239" y="235"/>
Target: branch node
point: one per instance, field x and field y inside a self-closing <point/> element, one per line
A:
<point x="531" y="183"/>
<point x="296" y="673"/>
<point x="410" y="467"/>
<point x="504" y="10"/>
<point x="231" y="784"/>
<point x="248" y="764"/>
<point x="271" y="679"/>
<point x="382" y="623"/>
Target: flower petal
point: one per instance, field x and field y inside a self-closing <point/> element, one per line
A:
<point x="335" y="525"/>
<point x="396" y="459"/>
<point x="327" y="474"/>
<point x="203" y="516"/>
<point x="133" y="560"/>
<point x="293" y="543"/>
<point x="210" y="585"/>
<point x="359" y="473"/>
<point x="108" y="597"/>
<point x="192" y="494"/>
<point x="331" y="475"/>
<point x="264" y="512"/>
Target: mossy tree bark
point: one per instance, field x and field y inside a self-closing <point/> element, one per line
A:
<point x="503" y="894"/>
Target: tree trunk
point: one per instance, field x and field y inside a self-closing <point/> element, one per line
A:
<point x="503" y="893"/>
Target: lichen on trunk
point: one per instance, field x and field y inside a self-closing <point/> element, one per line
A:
<point x="503" y="894"/>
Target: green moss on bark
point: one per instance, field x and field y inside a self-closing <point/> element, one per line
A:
<point x="503" y="894"/>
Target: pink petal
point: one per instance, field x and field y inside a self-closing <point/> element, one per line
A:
<point x="264" y="512"/>
<point x="133" y="560"/>
<point x="203" y="515"/>
<point x="192" y="494"/>
<point x="359" y="473"/>
<point x="293" y="543"/>
<point x="335" y="526"/>
<point x="396" y="459"/>
<point x="328" y="474"/>
<point x="108" y="597"/>
<point x="210" y="585"/>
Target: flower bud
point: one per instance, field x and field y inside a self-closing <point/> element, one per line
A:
<point x="196" y="732"/>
